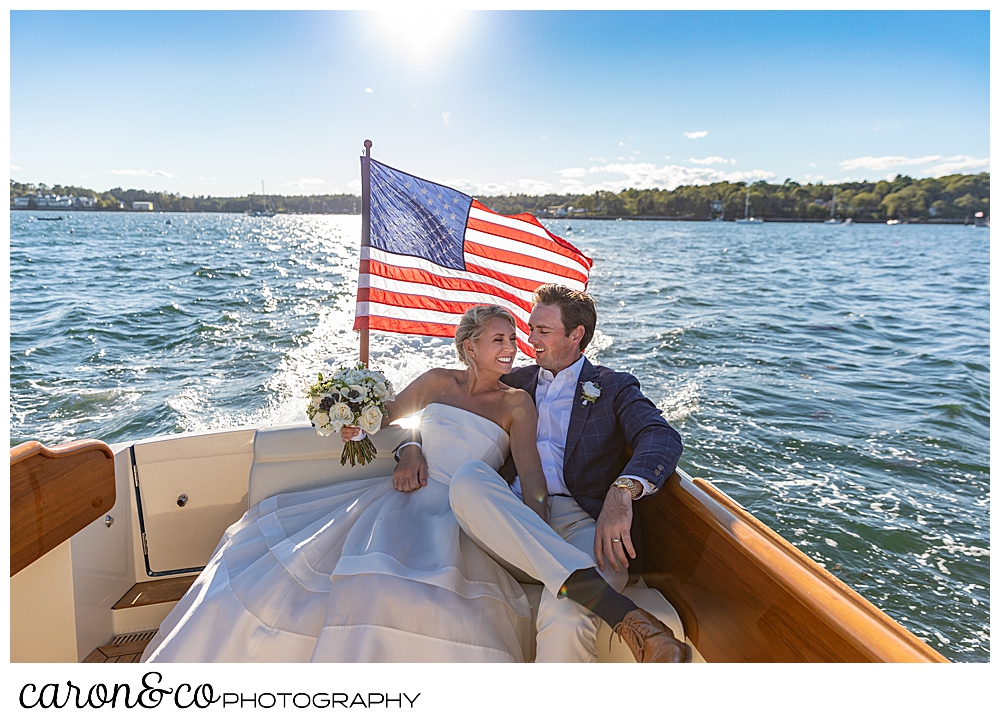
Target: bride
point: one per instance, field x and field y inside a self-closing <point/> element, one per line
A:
<point x="362" y="571"/>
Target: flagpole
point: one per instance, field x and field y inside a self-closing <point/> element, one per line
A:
<point x="365" y="227"/>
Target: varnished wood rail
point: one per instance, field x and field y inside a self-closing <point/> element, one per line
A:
<point x="745" y="594"/>
<point x="55" y="493"/>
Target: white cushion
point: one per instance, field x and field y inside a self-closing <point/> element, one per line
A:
<point x="292" y="457"/>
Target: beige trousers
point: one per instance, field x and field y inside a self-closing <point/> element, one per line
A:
<point x="533" y="551"/>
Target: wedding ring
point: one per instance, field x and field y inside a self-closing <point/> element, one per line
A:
<point x="616" y="539"/>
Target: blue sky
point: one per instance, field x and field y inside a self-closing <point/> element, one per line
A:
<point x="494" y="102"/>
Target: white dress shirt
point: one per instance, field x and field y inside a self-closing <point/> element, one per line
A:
<point x="554" y="399"/>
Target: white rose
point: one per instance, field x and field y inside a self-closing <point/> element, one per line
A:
<point x="341" y="414"/>
<point x="371" y="419"/>
<point x="591" y="390"/>
<point x="316" y="401"/>
<point x="380" y="391"/>
<point x="321" y="419"/>
<point x="325" y="431"/>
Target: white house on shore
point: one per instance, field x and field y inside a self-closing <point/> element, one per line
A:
<point x="53" y="201"/>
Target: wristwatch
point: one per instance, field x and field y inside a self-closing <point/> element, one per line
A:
<point x="630" y="484"/>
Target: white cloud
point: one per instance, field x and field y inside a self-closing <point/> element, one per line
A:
<point x="354" y="186"/>
<point x="960" y="164"/>
<point x="943" y="166"/>
<point x="710" y="160"/>
<point x="882" y="163"/>
<point x="305" y="183"/>
<point x="141" y="172"/>
<point x="475" y="188"/>
<point x="369" y="90"/>
<point x="696" y="134"/>
<point x="14" y="168"/>
<point x="612" y="177"/>
<point x="649" y="175"/>
<point x="533" y="187"/>
<point x="446" y="116"/>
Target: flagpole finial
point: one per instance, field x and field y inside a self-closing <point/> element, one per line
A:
<point x="368" y="147"/>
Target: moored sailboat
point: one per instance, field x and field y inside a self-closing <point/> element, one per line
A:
<point x="747" y="218"/>
<point x="268" y="209"/>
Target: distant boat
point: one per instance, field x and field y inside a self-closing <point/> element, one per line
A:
<point x="268" y="210"/>
<point x="49" y="218"/>
<point x="833" y="209"/>
<point x="747" y="218"/>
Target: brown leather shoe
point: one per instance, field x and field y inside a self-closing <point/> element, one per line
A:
<point x="650" y="640"/>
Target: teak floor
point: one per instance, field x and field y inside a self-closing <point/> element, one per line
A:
<point x="121" y="648"/>
<point x="128" y="648"/>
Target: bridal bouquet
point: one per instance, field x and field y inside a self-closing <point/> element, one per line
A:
<point x="350" y="397"/>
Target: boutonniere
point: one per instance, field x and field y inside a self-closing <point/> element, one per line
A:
<point x="590" y="393"/>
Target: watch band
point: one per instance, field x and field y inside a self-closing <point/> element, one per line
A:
<point x="630" y="484"/>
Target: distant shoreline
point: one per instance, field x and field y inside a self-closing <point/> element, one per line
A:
<point x="914" y="222"/>
<point x="953" y="199"/>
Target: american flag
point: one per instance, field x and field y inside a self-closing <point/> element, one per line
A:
<point x="436" y="251"/>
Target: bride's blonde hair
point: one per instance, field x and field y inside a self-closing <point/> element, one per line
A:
<point x="473" y="324"/>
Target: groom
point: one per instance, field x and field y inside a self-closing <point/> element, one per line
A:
<point x="588" y="419"/>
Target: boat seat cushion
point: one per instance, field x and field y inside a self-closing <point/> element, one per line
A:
<point x="292" y="457"/>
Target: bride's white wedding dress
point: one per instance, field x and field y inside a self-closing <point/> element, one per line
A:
<point x="357" y="571"/>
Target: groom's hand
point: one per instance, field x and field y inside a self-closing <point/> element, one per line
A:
<point x="411" y="471"/>
<point x="614" y="523"/>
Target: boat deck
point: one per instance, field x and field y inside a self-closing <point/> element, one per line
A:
<point x="121" y="648"/>
<point x="128" y="648"/>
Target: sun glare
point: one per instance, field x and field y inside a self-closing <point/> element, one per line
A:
<point x="422" y="32"/>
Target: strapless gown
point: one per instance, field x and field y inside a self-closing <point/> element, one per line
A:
<point x="357" y="571"/>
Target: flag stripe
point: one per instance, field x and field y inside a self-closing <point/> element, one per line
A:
<point x="417" y="301"/>
<point x="382" y="264"/>
<point x="490" y="227"/>
<point x="526" y="262"/>
<point x="516" y="246"/>
<point x="476" y="293"/>
<point x="531" y="280"/>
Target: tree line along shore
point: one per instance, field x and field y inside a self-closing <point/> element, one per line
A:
<point x="954" y="198"/>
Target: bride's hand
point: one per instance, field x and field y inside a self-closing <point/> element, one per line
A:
<point x="348" y="433"/>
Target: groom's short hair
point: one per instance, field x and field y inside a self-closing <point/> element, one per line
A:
<point x="575" y="307"/>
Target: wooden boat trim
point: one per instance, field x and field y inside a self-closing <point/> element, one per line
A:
<point x="29" y="449"/>
<point x="54" y="493"/>
<point x="777" y="604"/>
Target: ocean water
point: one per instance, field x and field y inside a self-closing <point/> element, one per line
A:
<point x="833" y="380"/>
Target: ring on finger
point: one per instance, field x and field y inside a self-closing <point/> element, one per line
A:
<point x="616" y="539"/>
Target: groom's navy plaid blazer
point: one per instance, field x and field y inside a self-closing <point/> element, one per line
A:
<point x="600" y="436"/>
